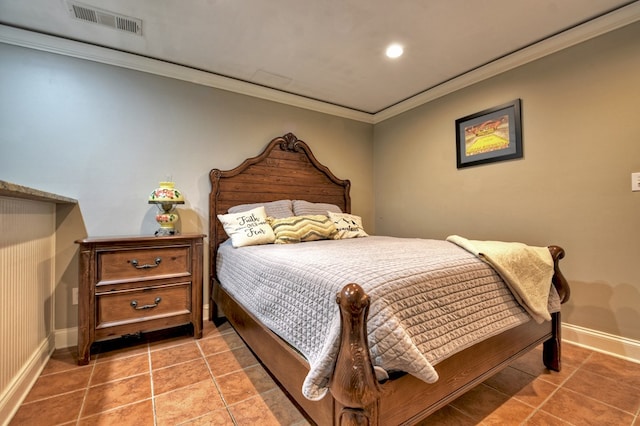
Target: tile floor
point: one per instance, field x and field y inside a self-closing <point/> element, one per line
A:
<point x="217" y="381"/>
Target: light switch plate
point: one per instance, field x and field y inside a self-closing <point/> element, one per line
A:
<point x="635" y="181"/>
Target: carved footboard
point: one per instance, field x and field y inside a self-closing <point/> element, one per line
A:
<point x="353" y="383"/>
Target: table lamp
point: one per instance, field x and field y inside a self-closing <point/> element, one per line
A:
<point x="166" y="197"/>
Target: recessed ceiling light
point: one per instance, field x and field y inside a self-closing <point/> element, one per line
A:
<point x="394" y="51"/>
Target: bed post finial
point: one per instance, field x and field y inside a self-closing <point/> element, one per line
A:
<point x="559" y="281"/>
<point x="354" y="383"/>
<point x="552" y="348"/>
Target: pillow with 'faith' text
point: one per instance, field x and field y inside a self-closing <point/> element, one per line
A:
<point x="248" y="228"/>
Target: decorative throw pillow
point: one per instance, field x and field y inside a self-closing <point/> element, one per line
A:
<point x="304" y="208"/>
<point x="277" y="209"/>
<point x="298" y="229"/>
<point x="348" y="225"/>
<point x="247" y="228"/>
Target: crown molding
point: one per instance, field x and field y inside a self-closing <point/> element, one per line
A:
<point x="614" y="20"/>
<point x="604" y="24"/>
<point x="76" y="49"/>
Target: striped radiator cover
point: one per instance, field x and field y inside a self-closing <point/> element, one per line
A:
<point x="27" y="281"/>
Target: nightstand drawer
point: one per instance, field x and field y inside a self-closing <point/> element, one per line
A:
<point x="125" y="307"/>
<point x="144" y="263"/>
<point x="139" y="284"/>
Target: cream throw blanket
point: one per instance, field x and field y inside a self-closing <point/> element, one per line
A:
<point x="527" y="270"/>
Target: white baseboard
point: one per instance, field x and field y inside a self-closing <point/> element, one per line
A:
<point x="17" y="390"/>
<point x="609" y="344"/>
<point x="68" y="337"/>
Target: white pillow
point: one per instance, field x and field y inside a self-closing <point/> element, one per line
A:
<point x="248" y="228"/>
<point x="348" y="225"/>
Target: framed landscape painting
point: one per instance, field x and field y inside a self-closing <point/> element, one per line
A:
<point x="494" y="134"/>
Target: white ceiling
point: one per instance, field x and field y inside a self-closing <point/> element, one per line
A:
<point x="324" y="50"/>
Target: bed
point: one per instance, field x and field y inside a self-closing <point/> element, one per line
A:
<point x="288" y="170"/>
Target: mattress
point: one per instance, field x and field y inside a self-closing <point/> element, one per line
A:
<point x="429" y="299"/>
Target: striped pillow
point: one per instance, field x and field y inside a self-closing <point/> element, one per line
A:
<point x="305" y="208"/>
<point x="298" y="229"/>
<point x="279" y="209"/>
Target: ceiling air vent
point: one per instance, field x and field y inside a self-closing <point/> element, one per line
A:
<point x="108" y="19"/>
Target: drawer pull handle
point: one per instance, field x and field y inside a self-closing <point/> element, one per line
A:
<point x="134" y="262"/>
<point x="134" y="304"/>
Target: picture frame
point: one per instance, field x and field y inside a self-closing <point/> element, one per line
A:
<point x="494" y="134"/>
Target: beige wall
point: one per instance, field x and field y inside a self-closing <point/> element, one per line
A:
<point x="106" y="136"/>
<point x="572" y="188"/>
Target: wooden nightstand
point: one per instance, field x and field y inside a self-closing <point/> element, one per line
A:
<point x="131" y="285"/>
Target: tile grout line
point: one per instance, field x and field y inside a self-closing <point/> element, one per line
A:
<point x="551" y="395"/>
<point x="561" y="386"/>
<point x="170" y="345"/>
<point x="111" y="381"/>
<point x="113" y="409"/>
<point x="599" y="402"/>
<point x="582" y="364"/>
<point x="86" y="390"/>
<point x="177" y="363"/>
<point x="153" y="392"/>
<point x="215" y="383"/>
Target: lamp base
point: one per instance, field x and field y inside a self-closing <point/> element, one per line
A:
<point x="163" y="232"/>
<point x="167" y="218"/>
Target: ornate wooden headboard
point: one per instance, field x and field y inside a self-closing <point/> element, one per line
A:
<point x="285" y="170"/>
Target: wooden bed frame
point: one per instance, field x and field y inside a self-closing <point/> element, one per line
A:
<point x="287" y="169"/>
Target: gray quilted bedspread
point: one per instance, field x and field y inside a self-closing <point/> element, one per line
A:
<point x="429" y="299"/>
